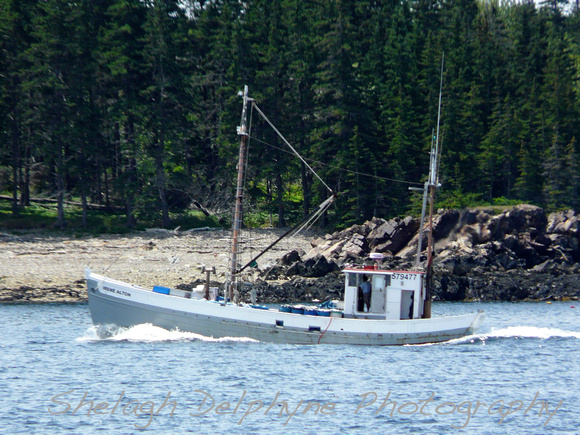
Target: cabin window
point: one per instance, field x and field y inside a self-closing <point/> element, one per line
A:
<point x="387" y="280"/>
<point x="352" y="279"/>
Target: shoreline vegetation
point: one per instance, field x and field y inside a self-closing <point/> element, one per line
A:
<point x="132" y="106"/>
<point x="519" y="254"/>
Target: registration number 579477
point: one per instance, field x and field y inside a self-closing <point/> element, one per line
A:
<point x="405" y="276"/>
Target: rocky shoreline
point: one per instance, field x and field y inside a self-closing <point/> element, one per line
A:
<point x="520" y="254"/>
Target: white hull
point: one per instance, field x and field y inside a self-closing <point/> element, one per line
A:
<point x="114" y="302"/>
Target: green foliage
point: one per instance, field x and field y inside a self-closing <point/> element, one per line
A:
<point x="503" y="201"/>
<point x="457" y="199"/>
<point x="194" y="219"/>
<point x="259" y="219"/>
<point x="27" y="218"/>
<point x="44" y="216"/>
<point x="133" y="104"/>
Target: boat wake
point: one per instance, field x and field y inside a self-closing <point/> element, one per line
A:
<point x="149" y="333"/>
<point x="516" y="332"/>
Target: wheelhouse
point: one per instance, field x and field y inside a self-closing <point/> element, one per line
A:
<point x="395" y="295"/>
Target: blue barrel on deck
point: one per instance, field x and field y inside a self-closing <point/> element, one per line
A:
<point x="297" y="310"/>
<point x="162" y="290"/>
<point x="310" y="311"/>
<point x="285" y="309"/>
<point x="323" y="313"/>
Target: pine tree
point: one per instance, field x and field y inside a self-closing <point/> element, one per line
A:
<point x="561" y="119"/>
<point x="526" y="30"/>
<point x="218" y="60"/>
<point x="161" y="116"/>
<point x="121" y="74"/>
<point x="54" y="79"/>
<point x="572" y="175"/>
<point x="464" y="108"/>
<point x="14" y="41"/>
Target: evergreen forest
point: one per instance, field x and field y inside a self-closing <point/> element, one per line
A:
<point x="130" y="107"/>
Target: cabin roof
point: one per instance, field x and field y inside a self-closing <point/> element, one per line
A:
<point x="370" y="270"/>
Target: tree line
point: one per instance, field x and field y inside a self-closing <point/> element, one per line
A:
<point x="134" y="104"/>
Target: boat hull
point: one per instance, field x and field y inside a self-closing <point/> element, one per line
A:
<point x="113" y="302"/>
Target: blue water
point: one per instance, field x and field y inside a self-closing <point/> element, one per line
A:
<point x="58" y="377"/>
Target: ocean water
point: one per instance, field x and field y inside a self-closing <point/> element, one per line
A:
<point x="520" y="374"/>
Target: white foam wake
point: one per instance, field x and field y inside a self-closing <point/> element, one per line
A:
<point x="531" y="332"/>
<point x="149" y="333"/>
<point x="517" y="332"/>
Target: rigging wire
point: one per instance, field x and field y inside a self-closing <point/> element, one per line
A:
<point x="339" y="168"/>
<point x="290" y="146"/>
<point x="309" y="220"/>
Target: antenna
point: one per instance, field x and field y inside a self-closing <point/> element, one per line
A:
<point x="435" y="163"/>
<point x="433" y="180"/>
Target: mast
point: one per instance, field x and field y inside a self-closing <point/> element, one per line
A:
<point x="425" y="191"/>
<point x="244" y="134"/>
<point x="433" y="185"/>
<point x="238" y="208"/>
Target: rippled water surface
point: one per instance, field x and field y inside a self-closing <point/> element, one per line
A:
<point x="519" y="375"/>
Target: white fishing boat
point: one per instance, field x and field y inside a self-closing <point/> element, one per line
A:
<point x="395" y="311"/>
